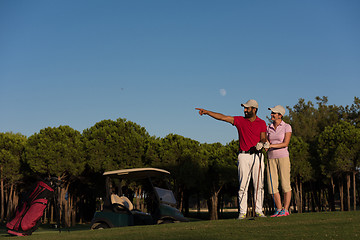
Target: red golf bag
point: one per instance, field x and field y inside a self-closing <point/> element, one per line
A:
<point x="30" y="210"/>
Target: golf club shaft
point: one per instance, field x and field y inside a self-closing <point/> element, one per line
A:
<point x="257" y="185"/>
<point x="272" y="188"/>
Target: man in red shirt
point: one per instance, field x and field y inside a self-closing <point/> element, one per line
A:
<point x="252" y="135"/>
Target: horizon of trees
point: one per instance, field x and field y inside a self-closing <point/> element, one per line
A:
<point x="324" y="155"/>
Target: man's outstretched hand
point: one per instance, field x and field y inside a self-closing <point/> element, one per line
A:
<point x="201" y="111"/>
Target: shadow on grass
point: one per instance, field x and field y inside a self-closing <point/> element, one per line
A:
<point x="48" y="228"/>
<point x="196" y="216"/>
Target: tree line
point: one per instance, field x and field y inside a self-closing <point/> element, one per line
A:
<point x="324" y="154"/>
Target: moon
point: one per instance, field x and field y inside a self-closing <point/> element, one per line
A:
<point x="222" y="92"/>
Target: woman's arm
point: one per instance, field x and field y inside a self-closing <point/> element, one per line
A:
<point x="285" y="143"/>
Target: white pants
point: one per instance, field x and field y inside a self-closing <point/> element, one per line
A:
<point x="248" y="166"/>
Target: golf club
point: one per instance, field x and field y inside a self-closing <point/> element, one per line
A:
<point x="272" y="189"/>
<point x="257" y="185"/>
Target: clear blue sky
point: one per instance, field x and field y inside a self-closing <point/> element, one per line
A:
<point x="77" y="62"/>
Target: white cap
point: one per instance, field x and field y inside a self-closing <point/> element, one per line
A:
<point x="251" y="103"/>
<point x="278" y="109"/>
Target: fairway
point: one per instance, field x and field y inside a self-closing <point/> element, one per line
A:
<point x="326" y="225"/>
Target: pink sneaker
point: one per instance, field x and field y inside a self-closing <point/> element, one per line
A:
<point x="283" y="213"/>
<point x="276" y="213"/>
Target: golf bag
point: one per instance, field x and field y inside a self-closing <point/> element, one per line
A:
<point x="30" y="210"/>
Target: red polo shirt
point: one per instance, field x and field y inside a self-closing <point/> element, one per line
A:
<point x="249" y="132"/>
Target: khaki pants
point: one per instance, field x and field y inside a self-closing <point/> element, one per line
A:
<point x="280" y="168"/>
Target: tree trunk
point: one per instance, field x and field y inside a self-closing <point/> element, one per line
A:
<point x="220" y="207"/>
<point x="44" y="217"/>
<point x="341" y="190"/>
<point x="181" y="200"/>
<point x="67" y="208"/>
<point x="315" y="199"/>
<point x="198" y="204"/>
<point x="57" y="207"/>
<point x="6" y="200"/>
<point x="142" y="203"/>
<point x="212" y="206"/>
<point x="313" y="202"/>
<point x="73" y="210"/>
<point x="301" y="196"/>
<point x="354" y="189"/>
<point x="2" y="194"/>
<point x="137" y="197"/>
<point x="52" y="213"/>
<point x="326" y="200"/>
<point x="64" y="206"/>
<point x="297" y="195"/>
<point x="15" y="199"/>
<point x="10" y="202"/>
<point x="186" y="203"/>
<point x="332" y="194"/>
<point x="348" y="190"/>
<point x="79" y="207"/>
<point x="321" y="201"/>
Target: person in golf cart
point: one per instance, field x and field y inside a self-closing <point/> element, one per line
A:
<point x="252" y="136"/>
<point x="279" y="134"/>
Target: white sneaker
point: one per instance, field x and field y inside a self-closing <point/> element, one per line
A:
<point x="260" y="215"/>
<point x="242" y="216"/>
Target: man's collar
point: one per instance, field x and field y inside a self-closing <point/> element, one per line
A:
<point x="256" y="117"/>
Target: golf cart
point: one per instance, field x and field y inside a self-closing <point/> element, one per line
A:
<point x="158" y="202"/>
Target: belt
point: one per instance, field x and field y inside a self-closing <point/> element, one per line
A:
<point x="249" y="152"/>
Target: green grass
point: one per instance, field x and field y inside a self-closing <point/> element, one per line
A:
<point x="328" y="225"/>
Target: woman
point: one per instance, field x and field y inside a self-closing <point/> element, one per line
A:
<point x="278" y="135"/>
